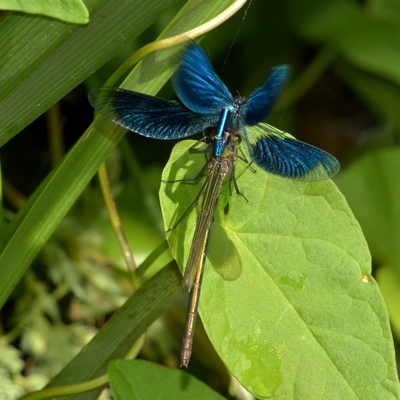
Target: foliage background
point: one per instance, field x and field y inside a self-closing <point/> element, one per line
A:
<point x="344" y="99"/>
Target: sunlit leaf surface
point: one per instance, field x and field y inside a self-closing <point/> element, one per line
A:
<point x="287" y="300"/>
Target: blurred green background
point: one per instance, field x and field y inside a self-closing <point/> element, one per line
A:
<point x="343" y="96"/>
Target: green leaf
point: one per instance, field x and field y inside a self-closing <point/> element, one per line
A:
<point x="42" y="60"/>
<point x="364" y="39"/>
<point x="39" y="217"/>
<point x="143" y="380"/>
<point x="385" y="9"/>
<point x="121" y="331"/>
<point x="299" y="312"/>
<point x="10" y="358"/>
<point x="72" y="11"/>
<point x="371" y="186"/>
<point x="378" y="93"/>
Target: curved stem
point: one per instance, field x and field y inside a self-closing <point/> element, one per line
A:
<point x="83" y="386"/>
<point x="115" y="220"/>
<point x="183" y="37"/>
<point x="66" y="390"/>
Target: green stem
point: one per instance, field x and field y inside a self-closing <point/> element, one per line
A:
<point x="68" y="389"/>
<point x="174" y="40"/>
<point x="148" y="262"/>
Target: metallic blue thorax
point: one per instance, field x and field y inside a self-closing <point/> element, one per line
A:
<point x="218" y="142"/>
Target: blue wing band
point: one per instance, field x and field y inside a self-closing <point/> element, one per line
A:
<point x="281" y="154"/>
<point x="148" y="115"/>
<point x="197" y="85"/>
<point x="259" y="104"/>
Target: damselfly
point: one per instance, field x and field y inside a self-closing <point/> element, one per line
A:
<point x="207" y="102"/>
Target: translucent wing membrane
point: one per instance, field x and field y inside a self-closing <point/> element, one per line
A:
<point x="197" y="85"/>
<point x="281" y="154"/>
<point x="259" y="104"/>
<point x="148" y="115"/>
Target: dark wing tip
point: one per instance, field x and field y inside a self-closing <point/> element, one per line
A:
<point x="290" y="158"/>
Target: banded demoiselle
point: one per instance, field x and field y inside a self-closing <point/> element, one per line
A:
<point x="207" y="102"/>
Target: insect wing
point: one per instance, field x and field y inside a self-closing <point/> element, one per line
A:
<point x="259" y="104"/>
<point x="148" y="115"/>
<point x="197" y="85"/>
<point x="281" y="154"/>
